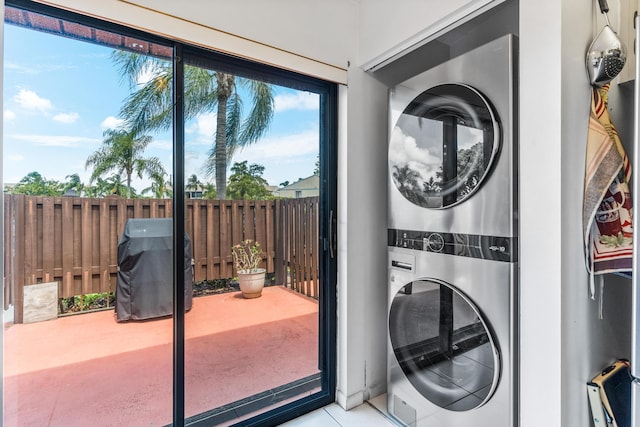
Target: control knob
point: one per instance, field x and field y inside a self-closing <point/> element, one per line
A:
<point x="435" y="242"/>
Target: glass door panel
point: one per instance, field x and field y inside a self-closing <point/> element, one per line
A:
<point x="252" y="187"/>
<point x="88" y="236"/>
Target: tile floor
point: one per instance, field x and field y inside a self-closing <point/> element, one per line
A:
<point x="370" y="414"/>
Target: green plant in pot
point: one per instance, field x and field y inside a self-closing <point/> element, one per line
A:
<point x="247" y="257"/>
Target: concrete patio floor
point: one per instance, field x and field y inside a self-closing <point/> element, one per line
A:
<point x="89" y="370"/>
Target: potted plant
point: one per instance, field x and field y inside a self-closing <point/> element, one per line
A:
<point x="247" y="256"/>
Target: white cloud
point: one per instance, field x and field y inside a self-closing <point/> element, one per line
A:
<point x="20" y="68"/>
<point x="56" y="140"/>
<point x="147" y="74"/>
<point x="41" y="68"/>
<point x="286" y="147"/>
<point x="66" y="117"/>
<point x="9" y="115"/>
<point x="191" y="128"/>
<point x="207" y="124"/>
<point x="111" y="123"/>
<point x="31" y="101"/>
<point x="297" y="101"/>
<point x="202" y="130"/>
<point x="15" y="157"/>
<point x="162" y="144"/>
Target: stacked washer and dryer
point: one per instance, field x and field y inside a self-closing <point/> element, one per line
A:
<point x="453" y="290"/>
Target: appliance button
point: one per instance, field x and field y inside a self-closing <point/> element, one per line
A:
<point x="435" y="242"/>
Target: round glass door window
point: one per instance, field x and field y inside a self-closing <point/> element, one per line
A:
<point x="443" y="346"/>
<point x="443" y="145"/>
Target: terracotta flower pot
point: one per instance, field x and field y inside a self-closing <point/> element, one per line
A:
<point x="251" y="284"/>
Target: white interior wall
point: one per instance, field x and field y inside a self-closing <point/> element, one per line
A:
<point x="389" y="28"/>
<point x="362" y="263"/>
<point x="298" y="26"/>
<point x="541" y="207"/>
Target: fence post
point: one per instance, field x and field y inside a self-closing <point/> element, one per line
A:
<point x="7" y="283"/>
<point x="280" y="270"/>
<point x="18" y="235"/>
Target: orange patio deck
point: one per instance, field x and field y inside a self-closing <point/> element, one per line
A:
<point x="89" y="370"/>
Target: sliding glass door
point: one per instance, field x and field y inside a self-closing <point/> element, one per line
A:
<point x="255" y="140"/>
<point x="116" y="142"/>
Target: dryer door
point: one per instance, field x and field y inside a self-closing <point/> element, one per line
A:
<point x="443" y="145"/>
<point x="443" y="345"/>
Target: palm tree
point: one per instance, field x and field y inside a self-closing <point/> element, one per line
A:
<point x="160" y="187"/>
<point x="73" y="183"/>
<point x="406" y="178"/>
<point x="193" y="183"/>
<point x="209" y="191"/>
<point x="151" y="106"/>
<point x="122" y="150"/>
<point x="110" y="186"/>
<point x="114" y="186"/>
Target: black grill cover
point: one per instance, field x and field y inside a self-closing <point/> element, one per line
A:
<point x="144" y="288"/>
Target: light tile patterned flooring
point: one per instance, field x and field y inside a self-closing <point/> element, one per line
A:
<point x="370" y="414"/>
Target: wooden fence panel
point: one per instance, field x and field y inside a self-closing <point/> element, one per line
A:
<point x="104" y="254"/>
<point x="297" y="248"/>
<point x="18" y="254"/>
<point x="192" y="222"/>
<point x="73" y="240"/>
<point x="225" y="228"/>
<point x="48" y="236"/>
<point x="8" y="250"/>
<point x="67" y="246"/>
<point x="213" y="225"/>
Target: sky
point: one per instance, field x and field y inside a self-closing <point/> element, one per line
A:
<point x="60" y="95"/>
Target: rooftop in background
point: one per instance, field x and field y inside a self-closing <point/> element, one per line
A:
<point x="305" y="187"/>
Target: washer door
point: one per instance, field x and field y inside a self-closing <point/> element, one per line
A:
<point x="443" y="145"/>
<point x="443" y="345"/>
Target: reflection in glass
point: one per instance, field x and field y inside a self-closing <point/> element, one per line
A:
<point x="442" y="146"/>
<point x="442" y="345"/>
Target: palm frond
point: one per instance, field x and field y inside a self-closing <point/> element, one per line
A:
<point x="201" y="92"/>
<point x="151" y="107"/>
<point x="234" y="122"/>
<point x="259" y="118"/>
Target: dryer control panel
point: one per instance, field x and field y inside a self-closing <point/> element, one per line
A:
<point x="469" y="245"/>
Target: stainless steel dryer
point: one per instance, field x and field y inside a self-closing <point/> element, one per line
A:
<point x="452" y="243"/>
<point x="451" y="146"/>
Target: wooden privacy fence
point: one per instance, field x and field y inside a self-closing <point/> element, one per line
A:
<point x="74" y="240"/>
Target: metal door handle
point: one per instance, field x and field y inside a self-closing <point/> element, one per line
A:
<point x="331" y="236"/>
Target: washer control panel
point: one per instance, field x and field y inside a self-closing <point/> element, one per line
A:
<point x="435" y="242"/>
<point x="469" y="245"/>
